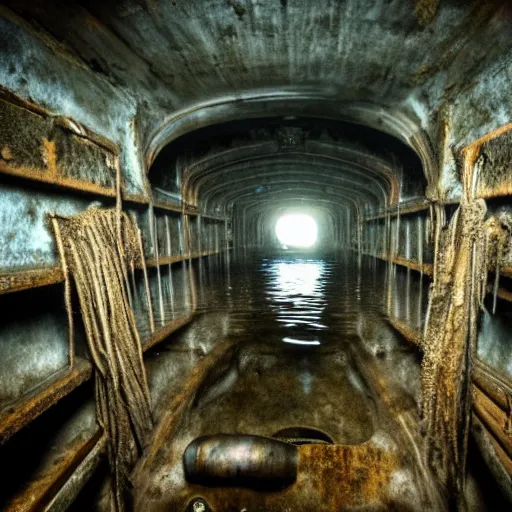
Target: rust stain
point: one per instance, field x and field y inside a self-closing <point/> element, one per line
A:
<point x="169" y="260"/>
<point x="486" y="378"/>
<point x="502" y="456"/>
<point x="490" y="403"/>
<point x="9" y="97"/>
<point x="49" y="156"/>
<point x="16" y="281"/>
<point x="67" y="123"/>
<point x="86" y="135"/>
<point x="25" y="279"/>
<point x="494" y="163"/>
<point x="502" y="293"/>
<point x="479" y="15"/>
<point x="426" y="268"/>
<point x="469" y="156"/>
<point x="489" y="136"/>
<point x="6" y="153"/>
<point x="504" y="189"/>
<point x="54" y="178"/>
<point x="360" y="474"/>
<point x="330" y="477"/>
<point x="177" y="408"/>
<point x="495" y="418"/>
<point x="401" y="209"/>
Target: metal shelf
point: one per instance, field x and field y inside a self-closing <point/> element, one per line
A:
<point x="400" y="209"/>
<point x="16" y="415"/>
<point x="27" y="279"/>
<point x="491" y="395"/>
<point x="425" y="268"/>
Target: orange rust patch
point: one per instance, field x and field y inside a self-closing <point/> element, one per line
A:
<point x="504" y="189"/>
<point x="495" y="418"/>
<point x="489" y="136"/>
<point x="330" y="477"/>
<point x="401" y="209"/>
<point x="16" y="281"/>
<point x="346" y="475"/>
<point x="49" y="155"/>
<point x="6" y="153"/>
<point x="470" y="154"/>
<point x="502" y="456"/>
<point x="493" y="385"/>
<point x="34" y="278"/>
<point x="54" y="179"/>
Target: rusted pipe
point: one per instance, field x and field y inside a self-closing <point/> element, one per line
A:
<point x="241" y="460"/>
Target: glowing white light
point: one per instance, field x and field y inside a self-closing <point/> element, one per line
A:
<point x="301" y="342"/>
<point x="297" y="278"/>
<point x="296" y="230"/>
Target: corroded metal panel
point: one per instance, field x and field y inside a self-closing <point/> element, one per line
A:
<point x="494" y="166"/>
<point x="42" y="148"/>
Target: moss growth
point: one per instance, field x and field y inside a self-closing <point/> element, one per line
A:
<point x="425" y="11"/>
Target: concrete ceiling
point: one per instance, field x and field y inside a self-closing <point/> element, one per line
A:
<point x="394" y="66"/>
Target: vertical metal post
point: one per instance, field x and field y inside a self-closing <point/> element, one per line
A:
<point x="226" y="234"/>
<point x="154" y="241"/>
<point x="169" y="255"/>
<point x="199" y="234"/>
<point x="146" y="282"/>
<point x="420" y="258"/>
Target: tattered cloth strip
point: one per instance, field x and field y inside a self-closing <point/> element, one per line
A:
<point x="468" y="248"/>
<point x="96" y="248"/>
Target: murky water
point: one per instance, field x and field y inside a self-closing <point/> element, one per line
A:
<point x="299" y="299"/>
<point x="310" y="349"/>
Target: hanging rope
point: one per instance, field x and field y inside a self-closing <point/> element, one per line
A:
<point x="466" y="250"/>
<point x="96" y="248"/>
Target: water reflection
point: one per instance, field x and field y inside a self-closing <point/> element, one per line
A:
<point x="286" y="339"/>
<point x="295" y="289"/>
<point x="290" y="299"/>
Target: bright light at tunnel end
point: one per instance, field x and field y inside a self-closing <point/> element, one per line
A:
<point x="296" y="230"/>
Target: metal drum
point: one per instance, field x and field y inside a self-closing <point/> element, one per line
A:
<point x="240" y="460"/>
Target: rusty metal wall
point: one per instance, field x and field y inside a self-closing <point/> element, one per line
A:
<point x="107" y="88"/>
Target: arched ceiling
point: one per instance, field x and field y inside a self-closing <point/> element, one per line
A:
<point x="269" y="160"/>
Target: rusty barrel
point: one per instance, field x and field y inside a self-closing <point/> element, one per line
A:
<point x="240" y="460"/>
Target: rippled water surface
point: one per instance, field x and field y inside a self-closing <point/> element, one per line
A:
<point x="295" y="298"/>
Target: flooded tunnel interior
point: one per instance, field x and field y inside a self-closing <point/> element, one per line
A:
<point x="255" y="255"/>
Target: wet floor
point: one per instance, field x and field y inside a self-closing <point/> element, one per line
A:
<point x="293" y="343"/>
<point x="299" y="299"/>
